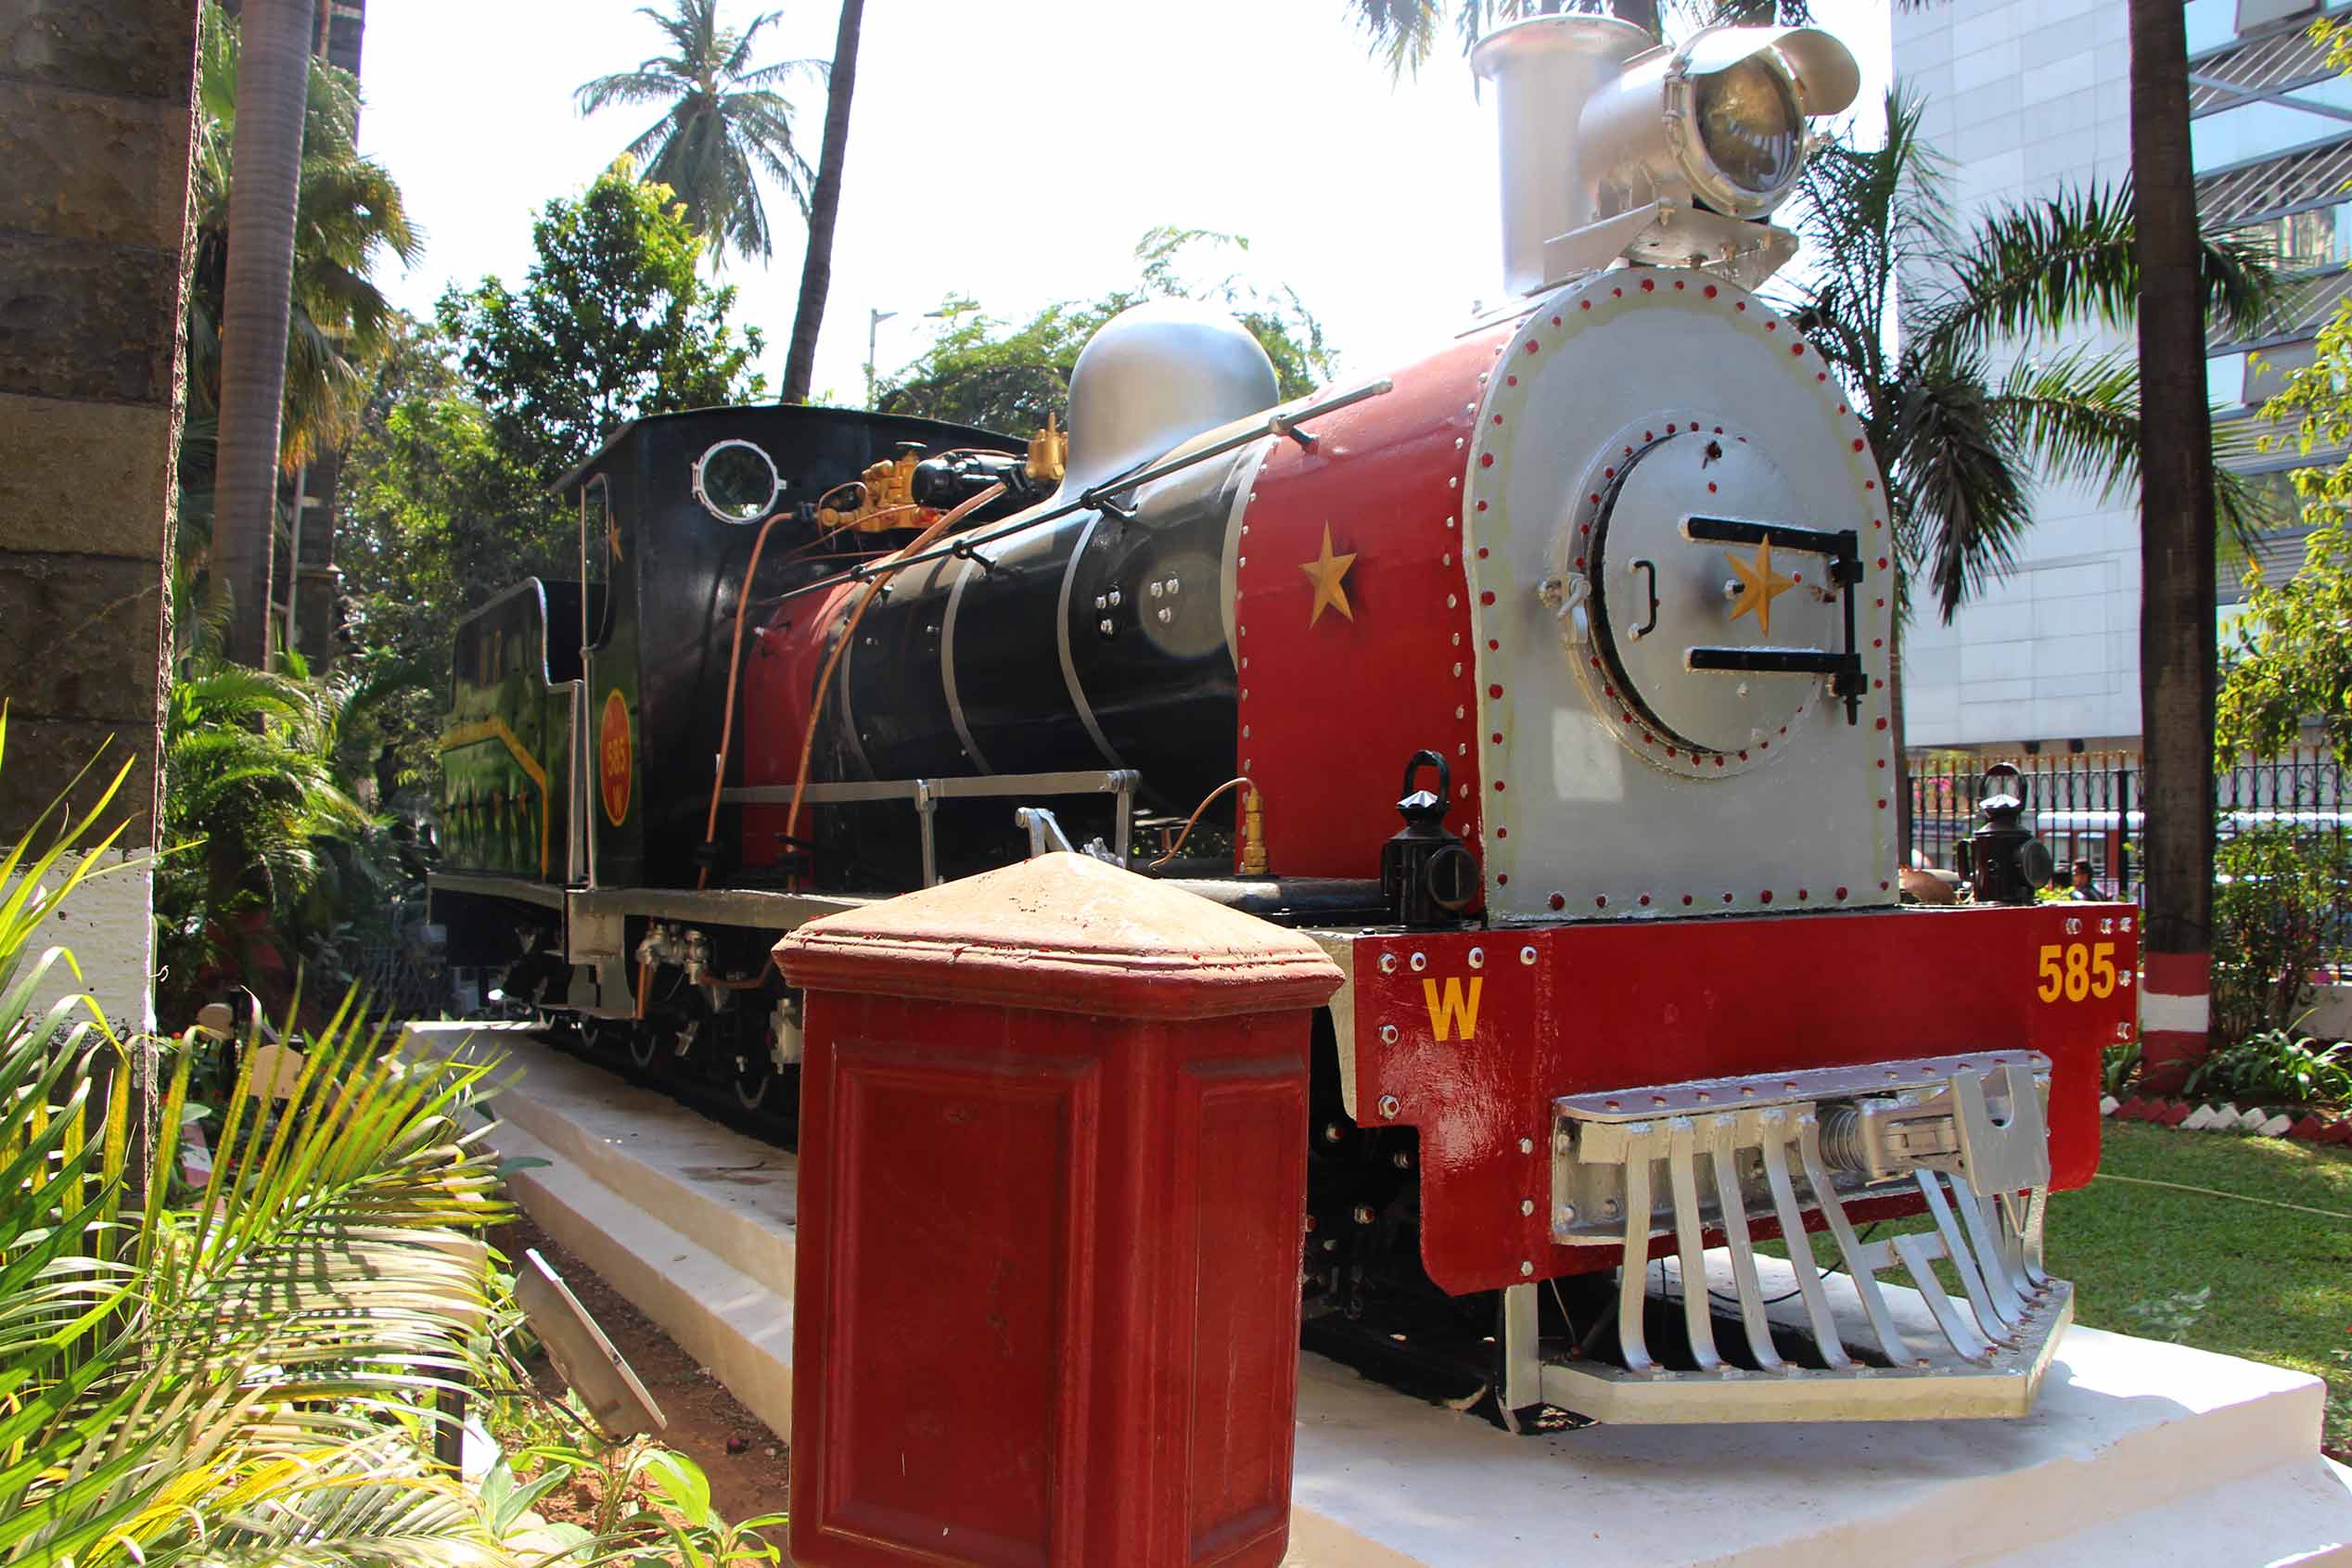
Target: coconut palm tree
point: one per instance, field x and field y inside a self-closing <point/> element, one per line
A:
<point x="349" y="213"/>
<point x="724" y="122"/>
<point x="825" y="205"/>
<point x="2178" y="657"/>
<point x="257" y="280"/>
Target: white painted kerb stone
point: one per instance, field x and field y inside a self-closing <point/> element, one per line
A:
<point x="2138" y="1454"/>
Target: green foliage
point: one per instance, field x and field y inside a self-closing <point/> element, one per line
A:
<point x="349" y="215"/>
<point x="611" y="323"/>
<point x="980" y="371"/>
<point x="260" y="828"/>
<point x="1958" y="435"/>
<point x="245" y="1372"/>
<point x="2282" y="909"/>
<point x="2118" y="1064"/>
<point x="2276" y="1067"/>
<point x="724" y="122"/>
<point x="2292" y="659"/>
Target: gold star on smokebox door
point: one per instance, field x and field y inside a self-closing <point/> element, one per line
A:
<point x="1329" y="574"/>
<point x="1759" y="586"/>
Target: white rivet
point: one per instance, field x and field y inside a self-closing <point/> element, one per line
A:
<point x="1452" y="602"/>
<point x="1527" y="955"/>
<point x="1459" y="713"/>
<point x="1388" y="1034"/>
<point x="1114" y="598"/>
<point x="1245" y="732"/>
<point x="1391" y="1106"/>
<point x="1420" y="962"/>
<point x="1526" y="1267"/>
<point x="1159" y="589"/>
<point x="1387" y="964"/>
<point x="1527" y="1145"/>
<point x="1527" y="1206"/>
<point x="1478" y="958"/>
<point x="1457" y="667"/>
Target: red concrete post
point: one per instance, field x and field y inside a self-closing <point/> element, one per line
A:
<point x="1052" y="1193"/>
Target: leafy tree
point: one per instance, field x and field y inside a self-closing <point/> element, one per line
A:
<point x="980" y="371"/>
<point x="724" y="122"/>
<point x="612" y="323"/>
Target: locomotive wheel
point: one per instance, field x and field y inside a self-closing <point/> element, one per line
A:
<point x="752" y="1080"/>
<point x="644" y="1043"/>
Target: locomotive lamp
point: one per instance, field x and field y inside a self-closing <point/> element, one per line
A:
<point x="2004" y="862"/>
<point x="1617" y="145"/>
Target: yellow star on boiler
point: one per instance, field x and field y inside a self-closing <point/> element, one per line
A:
<point x="1329" y="574"/>
<point x="1758" y="586"/>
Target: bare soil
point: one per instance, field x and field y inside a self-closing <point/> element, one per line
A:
<point x="747" y="1464"/>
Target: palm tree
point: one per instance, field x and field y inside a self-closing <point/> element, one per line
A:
<point x="258" y="278"/>
<point x="825" y="205"/>
<point x="724" y="122"/>
<point x="2178" y="657"/>
<point x="347" y="213"/>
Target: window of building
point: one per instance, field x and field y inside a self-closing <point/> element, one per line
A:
<point x="2225" y="381"/>
<point x="2259" y="128"/>
<point x="2212" y="24"/>
<point x="2255" y="15"/>
<point x="2301" y="242"/>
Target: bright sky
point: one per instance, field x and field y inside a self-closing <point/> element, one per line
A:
<point x="1009" y="150"/>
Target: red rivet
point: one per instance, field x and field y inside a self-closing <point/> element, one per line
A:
<point x="1649" y="284"/>
<point x="1498" y="419"/>
<point x="1881" y="604"/>
<point x="1492" y="645"/>
<point x="1718" y="430"/>
<point x="1858" y="446"/>
<point x="1486" y="460"/>
<point x="1767" y="895"/>
<point x="1869" y="484"/>
<point x="1618" y="293"/>
<point x="1502" y="881"/>
<point x="1669" y="430"/>
<point x="1882" y="762"/>
<point x="1509" y="380"/>
<point x="1580" y="562"/>
<point x="1719" y="762"/>
<point x="1802" y="895"/>
<point x="1608" y="473"/>
<point x="1558" y="901"/>
<point x="1649" y="435"/>
<point x="1820" y="376"/>
<point x="1494" y="691"/>
<point x="1531" y="345"/>
<point x="1878" y="642"/>
<point x="1880" y="685"/>
<point x="1882" y="804"/>
<point x="1593" y="662"/>
<point x="1727" y="897"/>
<point x="1498" y="787"/>
<point x="1841" y="408"/>
<point x="1482" y="505"/>
<point x="1496" y="737"/>
<point x="1594" y="498"/>
<point x="1678" y="283"/>
<point x="1645" y="899"/>
<point x="1686" y="898"/>
<point x="1883" y="887"/>
<point x="1503" y="833"/>
<point x="1486" y="597"/>
<point x="1841" y="892"/>
<point x="1882" y="563"/>
<point x="1881" y="723"/>
<point x="1740" y="305"/>
<point x="1796" y="348"/>
<point x="1585" y="304"/>
<point x="1710" y="486"/>
<point x="1482" y="552"/>
<point x="1555" y="321"/>
<point x="1710" y="294"/>
<point x="1601" y="902"/>
<point x="1772" y="326"/>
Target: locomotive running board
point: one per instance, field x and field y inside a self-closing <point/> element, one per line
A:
<point x="1966" y="1134"/>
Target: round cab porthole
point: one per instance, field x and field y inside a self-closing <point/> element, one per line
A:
<point x="736" y="482"/>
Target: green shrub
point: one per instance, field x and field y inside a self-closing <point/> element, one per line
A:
<point x="2275" y="1068"/>
<point x="2282" y="910"/>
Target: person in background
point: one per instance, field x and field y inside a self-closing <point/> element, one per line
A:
<point x="2085" y="890"/>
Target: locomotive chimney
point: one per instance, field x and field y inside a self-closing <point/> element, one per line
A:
<point x="1616" y="145"/>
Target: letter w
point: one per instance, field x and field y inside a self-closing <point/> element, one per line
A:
<point x="1448" y="1010"/>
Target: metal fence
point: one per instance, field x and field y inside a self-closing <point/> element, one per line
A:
<point x="2088" y="805"/>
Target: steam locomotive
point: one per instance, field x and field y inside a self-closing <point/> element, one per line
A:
<point x="1601" y="588"/>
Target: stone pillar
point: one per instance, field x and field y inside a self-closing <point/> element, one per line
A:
<point x="96" y="100"/>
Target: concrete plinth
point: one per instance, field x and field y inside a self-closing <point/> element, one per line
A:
<point x="2138" y="1454"/>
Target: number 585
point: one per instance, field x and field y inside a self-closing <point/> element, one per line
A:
<point x="2076" y="970"/>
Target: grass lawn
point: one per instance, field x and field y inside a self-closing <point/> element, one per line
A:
<point x="2281" y="1280"/>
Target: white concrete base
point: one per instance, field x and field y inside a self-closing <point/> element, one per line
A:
<point x="108" y="927"/>
<point x="2138" y="1454"/>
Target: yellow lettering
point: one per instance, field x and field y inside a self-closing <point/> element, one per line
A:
<point x="1448" y="1010"/>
